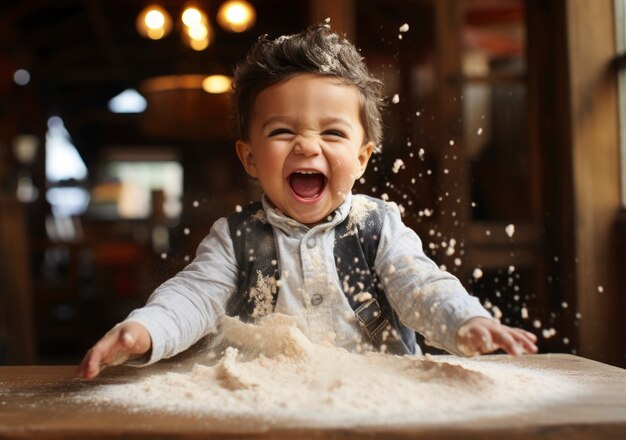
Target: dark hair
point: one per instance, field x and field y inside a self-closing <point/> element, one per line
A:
<point x="316" y="50"/>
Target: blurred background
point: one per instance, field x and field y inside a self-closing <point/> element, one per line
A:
<point x="502" y="146"/>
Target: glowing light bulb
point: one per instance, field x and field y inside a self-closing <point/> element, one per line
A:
<point x="192" y="17"/>
<point x="155" y="34"/>
<point x="217" y="84"/>
<point x="236" y="15"/>
<point x="198" y="37"/>
<point x="199" y="45"/>
<point x="198" y="32"/>
<point x="154" y="22"/>
<point x="154" y="19"/>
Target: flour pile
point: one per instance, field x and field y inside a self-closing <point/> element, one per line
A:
<point x="271" y="372"/>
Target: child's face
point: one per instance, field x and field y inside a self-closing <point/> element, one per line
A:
<point x="306" y="145"/>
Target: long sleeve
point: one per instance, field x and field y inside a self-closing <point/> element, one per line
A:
<point x="427" y="299"/>
<point x="187" y="306"/>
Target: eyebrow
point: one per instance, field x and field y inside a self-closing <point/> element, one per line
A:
<point x="336" y="120"/>
<point x="273" y="119"/>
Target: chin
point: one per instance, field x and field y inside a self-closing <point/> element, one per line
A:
<point x="312" y="218"/>
<point x="311" y="221"/>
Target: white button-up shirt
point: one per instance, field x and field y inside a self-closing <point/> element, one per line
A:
<point x="189" y="305"/>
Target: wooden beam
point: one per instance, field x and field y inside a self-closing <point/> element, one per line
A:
<point x="595" y="166"/>
<point x="15" y="283"/>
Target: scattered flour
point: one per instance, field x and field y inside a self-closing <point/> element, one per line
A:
<point x="272" y="374"/>
<point x="397" y="165"/>
<point x="510" y="230"/>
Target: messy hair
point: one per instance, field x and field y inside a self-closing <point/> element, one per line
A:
<point x="316" y="50"/>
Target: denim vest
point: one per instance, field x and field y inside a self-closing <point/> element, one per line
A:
<point x="356" y="243"/>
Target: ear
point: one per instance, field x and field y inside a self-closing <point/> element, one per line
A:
<point x="364" y="156"/>
<point x="246" y="157"/>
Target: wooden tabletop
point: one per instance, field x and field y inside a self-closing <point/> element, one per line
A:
<point x="36" y="403"/>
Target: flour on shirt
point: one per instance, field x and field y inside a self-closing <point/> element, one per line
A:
<point x="260" y="216"/>
<point x="263" y="295"/>
<point x="361" y="207"/>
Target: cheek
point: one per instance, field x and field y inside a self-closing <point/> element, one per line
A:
<point x="342" y="157"/>
<point x="269" y="160"/>
<point x="345" y="171"/>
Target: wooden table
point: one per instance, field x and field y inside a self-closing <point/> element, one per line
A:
<point x="34" y="404"/>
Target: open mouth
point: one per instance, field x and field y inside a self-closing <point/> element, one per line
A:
<point x="307" y="184"/>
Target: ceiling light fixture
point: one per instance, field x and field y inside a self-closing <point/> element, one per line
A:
<point x="214" y="84"/>
<point x="155" y="22"/>
<point x="197" y="31"/>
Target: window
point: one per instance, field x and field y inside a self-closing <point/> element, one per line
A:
<point x="620" y="63"/>
<point x="132" y="185"/>
<point x="66" y="173"/>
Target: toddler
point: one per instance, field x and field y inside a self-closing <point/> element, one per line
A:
<point x="344" y="266"/>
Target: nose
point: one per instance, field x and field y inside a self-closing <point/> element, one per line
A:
<point x="306" y="145"/>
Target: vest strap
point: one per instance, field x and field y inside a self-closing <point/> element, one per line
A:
<point x="379" y="330"/>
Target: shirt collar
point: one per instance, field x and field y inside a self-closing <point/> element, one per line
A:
<point x="278" y="219"/>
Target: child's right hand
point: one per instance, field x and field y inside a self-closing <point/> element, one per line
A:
<point x="128" y="340"/>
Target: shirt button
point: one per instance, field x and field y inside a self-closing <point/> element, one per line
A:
<point x="317" y="299"/>
<point x="310" y="243"/>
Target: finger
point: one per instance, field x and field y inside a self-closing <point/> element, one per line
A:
<point x="90" y="365"/>
<point x="529" y="335"/>
<point x="83" y="367"/>
<point x="483" y="341"/>
<point x="505" y="341"/>
<point x="525" y="333"/>
<point x="95" y="359"/>
<point x="525" y="340"/>
<point x="119" y="351"/>
<point x="474" y="340"/>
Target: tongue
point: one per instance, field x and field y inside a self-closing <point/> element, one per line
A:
<point x="307" y="185"/>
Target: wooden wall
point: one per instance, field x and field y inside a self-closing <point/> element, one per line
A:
<point x="17" y="332"/>
<point x="594" y="134"/>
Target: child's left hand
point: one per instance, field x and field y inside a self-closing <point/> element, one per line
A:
<point x="482" y="335"/>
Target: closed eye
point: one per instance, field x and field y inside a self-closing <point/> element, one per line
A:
<point x="279" y="131"/>
<point x="337" y="133"/>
